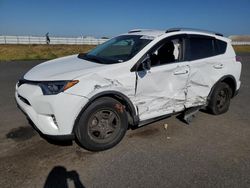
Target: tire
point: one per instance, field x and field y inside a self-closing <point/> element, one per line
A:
<point x="220" y="99"/>
<point x="102" y="125"/>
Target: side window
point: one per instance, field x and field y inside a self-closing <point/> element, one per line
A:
<point x="220" y="47"/>
<point x="200" y="47"/>
<point x="169" y="51"/>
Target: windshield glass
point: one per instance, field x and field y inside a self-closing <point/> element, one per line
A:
<point x="118" y="49"/>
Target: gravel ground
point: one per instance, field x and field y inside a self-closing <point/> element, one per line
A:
<point x="214" y="151"/>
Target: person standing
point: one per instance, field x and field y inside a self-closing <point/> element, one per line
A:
<point x="47" y="38"/>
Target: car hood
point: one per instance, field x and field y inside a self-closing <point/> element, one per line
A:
<point x="65" y="68"/>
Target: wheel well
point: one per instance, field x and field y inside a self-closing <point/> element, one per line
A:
<point x="228" y="80"/>
<point x="231" y="82"/>
<point x="131" y="113"/>
<point x="126" y="103"/>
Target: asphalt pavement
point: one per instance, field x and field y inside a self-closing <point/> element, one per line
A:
<point x="213" y="151"/>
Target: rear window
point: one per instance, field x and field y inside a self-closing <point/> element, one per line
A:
<point x="220" y="47"/>
<point x="200" y="47"/>
<point x="204" y="47"/>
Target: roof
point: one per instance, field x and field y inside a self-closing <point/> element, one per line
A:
<point x="147" y="32"/>
<point x="194" y="30"/>
<point x="157" y="33"/>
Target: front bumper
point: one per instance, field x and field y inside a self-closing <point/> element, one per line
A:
<point x="51" y="115"/>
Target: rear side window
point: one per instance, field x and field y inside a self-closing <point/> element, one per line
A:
<point x="203" y="46"/>
<point x="200" y="47"/>
<point x="220" y="47"/>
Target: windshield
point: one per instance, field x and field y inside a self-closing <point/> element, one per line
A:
<point x="117" y="50"/>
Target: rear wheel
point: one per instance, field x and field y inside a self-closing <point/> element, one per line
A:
<point x="102" y="125"/>
<point x="220" y="99"/>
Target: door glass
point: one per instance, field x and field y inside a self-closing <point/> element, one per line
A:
<point x="168" y="52"/>
<point x="201" y="48"/>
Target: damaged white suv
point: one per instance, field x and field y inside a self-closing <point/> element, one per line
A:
<point x="129" y="81"/>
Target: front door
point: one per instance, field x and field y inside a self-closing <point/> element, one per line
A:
<point x="162" y="89"/>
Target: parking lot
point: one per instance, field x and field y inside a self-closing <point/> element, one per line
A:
<point x="213" y="151"/>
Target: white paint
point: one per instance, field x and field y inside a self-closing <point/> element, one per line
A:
<point x="159" y="91"/>
<point x="65" y="68"/>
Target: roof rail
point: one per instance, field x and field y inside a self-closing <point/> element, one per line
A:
<point x="190" y="29"/>
<point x="139" y="30"/>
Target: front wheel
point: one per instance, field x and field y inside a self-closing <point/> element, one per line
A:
<point x="102" y="125"/>
<point x="220" y="99"/>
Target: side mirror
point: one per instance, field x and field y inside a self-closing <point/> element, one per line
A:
<point x="145" y="64"/>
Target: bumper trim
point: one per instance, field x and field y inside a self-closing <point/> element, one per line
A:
<point x="45" y="136"/>
<point x="24" y="100"/>
<point x="236" y="93"/>
<point x="66" y="137"/>
<point x="60" y="137"/>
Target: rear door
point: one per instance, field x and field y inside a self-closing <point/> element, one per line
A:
<point x="207" y="66"/>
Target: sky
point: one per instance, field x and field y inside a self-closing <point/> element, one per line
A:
<point x="112" y="17"/>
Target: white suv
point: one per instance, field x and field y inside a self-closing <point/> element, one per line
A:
<point x="129" y="81"/>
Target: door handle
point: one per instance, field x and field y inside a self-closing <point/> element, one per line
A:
<point x="218" y="66"/>
<point x="180" y="72"/>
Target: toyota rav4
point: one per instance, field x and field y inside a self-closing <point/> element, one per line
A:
<point x="129" y="81"/>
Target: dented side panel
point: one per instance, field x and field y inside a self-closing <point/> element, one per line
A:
<point x="199" y="84"/>
<point x="161" y="90"/>
<point x="203" y="76"/>
<point x="120" y="80"/>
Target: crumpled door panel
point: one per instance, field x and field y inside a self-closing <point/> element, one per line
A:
<point x="161" y="90"/>
<point x="203" y="75"/>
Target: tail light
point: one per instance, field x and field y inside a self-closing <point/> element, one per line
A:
<point x="238" y="58"/>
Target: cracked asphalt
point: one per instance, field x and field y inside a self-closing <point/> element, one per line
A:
<point x="213" y="151"/>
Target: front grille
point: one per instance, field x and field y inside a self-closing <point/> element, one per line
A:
<point x="24" y="100"/>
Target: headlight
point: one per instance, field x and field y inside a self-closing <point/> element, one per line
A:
<point x="55" y="87"/>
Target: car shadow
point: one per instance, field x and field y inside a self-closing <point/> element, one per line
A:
<point x="58" y="142"/>
<point x="60" y="177"/>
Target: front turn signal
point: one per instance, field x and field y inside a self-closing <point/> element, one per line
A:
<point x="70" y="84"/>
